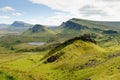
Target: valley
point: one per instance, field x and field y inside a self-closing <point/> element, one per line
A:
<point x="75" y="50"/>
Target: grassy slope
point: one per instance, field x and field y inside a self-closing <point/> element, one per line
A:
<point x="98" y="24"/>
<point x="40" y="34"/>
<point x="20" y="65"/>
<point x="42" y="31"/>
<point x="81" y="60"/>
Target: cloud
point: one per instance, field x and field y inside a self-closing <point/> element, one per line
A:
<point x="57" y="19"/>
<point x="109" y="0"/>
<point x="7" y="8"/>
<point x="16" y="14"/>
<point x="4" y="17"/>
<point x="93" y="9"/>
<point x="89" y="10"/>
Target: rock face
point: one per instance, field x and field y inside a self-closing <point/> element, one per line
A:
<point x="87" y="79"/>
<point x="38" y="28"/>
<point x="52" y="58"/>
<point x="85" y="37"/>
<point x="73" y="26"/>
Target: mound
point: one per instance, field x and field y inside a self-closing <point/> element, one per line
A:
<point x="38" y="30"/>
<point x="75" y="51"/>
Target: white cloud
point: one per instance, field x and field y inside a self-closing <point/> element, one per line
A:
<point x="4" y="17"/>
<point x="17" y="14"/>
<point x="87" y="9"/>
<point x="57" y="19"/>
<point x="7" y="8"/>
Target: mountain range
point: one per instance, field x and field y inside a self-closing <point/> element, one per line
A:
<point x="67" y="30"/>
<point x="73" y="24"/>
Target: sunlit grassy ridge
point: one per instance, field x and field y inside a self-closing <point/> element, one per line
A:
<point x="80" y="60"/>
<point x="83" y="60"/>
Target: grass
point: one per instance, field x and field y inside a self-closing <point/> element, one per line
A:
<point x="5" y="76"/>
<point x="81" y="60"/>
<point x="19" y="65"/>
<point x="27" y="66"/>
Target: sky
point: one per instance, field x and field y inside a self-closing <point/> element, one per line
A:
<point x="54" y="12"/>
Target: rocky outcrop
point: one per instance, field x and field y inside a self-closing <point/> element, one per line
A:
<point x="37" y="28"/>
<point x="85" y="37"/>
<point x="73" y="26"/>
<point x="54" y="57"/>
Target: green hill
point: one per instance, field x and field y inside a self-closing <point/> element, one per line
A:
<point x="98" y="24"/>
<point x="39" y="30"/>
<point x="19" y="26"/>
<point x="90" y="26"/>
<point x="78" y="46"/>
<point x="81" y="59"/>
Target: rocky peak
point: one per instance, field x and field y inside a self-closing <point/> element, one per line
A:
<point x="38" y="28"/>
<point x="73" y="26"/>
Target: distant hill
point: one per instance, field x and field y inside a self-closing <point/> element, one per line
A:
<point x="19" y="26"/>
<point x="69" y="29"/>
<point x="77" y="24"/>
<point x="4" y="26"/>
<point x="73" y="26"/>
<point x="53" y="27"/>
<point x="102" y="31"/>
<point x="97" y="24"/>
<point x="38" y="30"/>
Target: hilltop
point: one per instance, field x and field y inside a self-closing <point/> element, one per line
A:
<point x="81" y="58"/>
<point x="90" y="26"/>
<point x="98" y="24"/>
<point x="19" y="26"/>
<point x="39" y="30"/>
<point x="79" y="46"/>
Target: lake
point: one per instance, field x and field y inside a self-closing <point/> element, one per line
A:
<point x="36" y="43"/>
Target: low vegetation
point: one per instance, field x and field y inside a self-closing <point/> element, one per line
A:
<point x="77" y="50"/>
